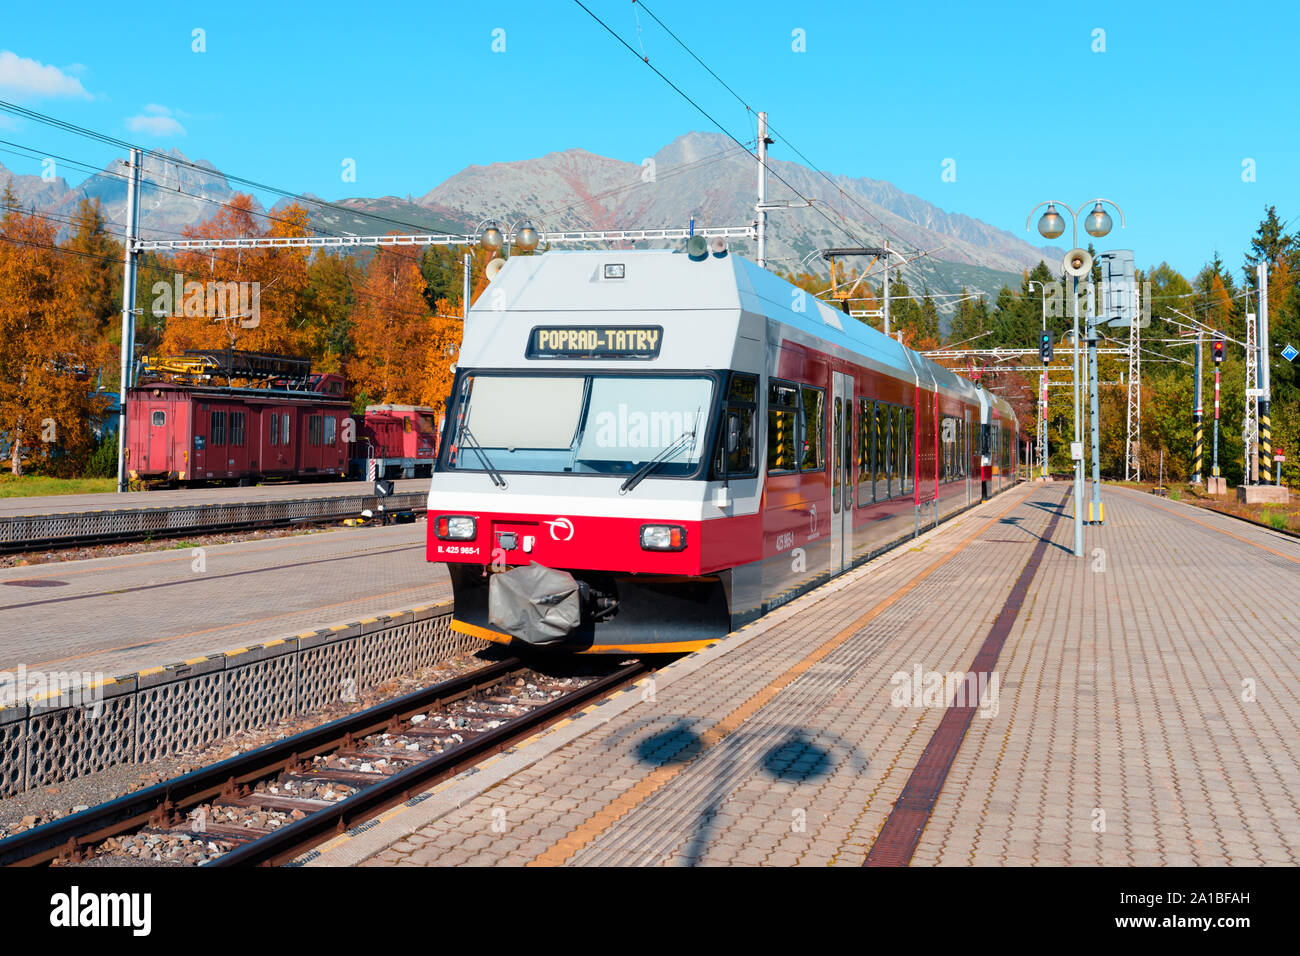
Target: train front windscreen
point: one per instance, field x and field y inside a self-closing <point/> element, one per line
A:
<point x="566" y="423"/>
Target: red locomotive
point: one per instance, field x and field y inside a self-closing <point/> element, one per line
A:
<point x="396" y="441"/>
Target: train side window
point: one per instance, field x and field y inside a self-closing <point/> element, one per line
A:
<point x="744" y="388"/>
<point x="736" y="437"/>
<point x="273" y="435"/>
<point x="284" y="429"/>
<point x="881" y="447"/>
<point x="889" y="442"/>
<point x="895" y="449"/>
<point x="812" y="414"/>
<point x="315" y="430"/>
<point x="866" y="447"/>
<point x="956" y="448"/>
<point x="217" y="429"/>
<point x="949" y="449"/>
<point x="237" y="429"/>
<point x="159" y="419"/>
<point x="909" y="445"/>
<point x="963" y="450"/>
<point x="782" y="415"/>
<point x="331" y="430"/>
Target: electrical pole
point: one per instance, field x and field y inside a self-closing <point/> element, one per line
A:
<point x="1198" y="440"/>
<point x="1216" y="480"/>
<point x="886" y="306"/>
<point x="761" y="208"/>
<point x="1265" y="426"/>
<point x="1133" y="430"/>
<point x="134" y="162"/>
<point x="1042" y="390"/>
<point x="1042" y="424"/>
<point x="1250" y="427"/>
<point x="466" y="291"/>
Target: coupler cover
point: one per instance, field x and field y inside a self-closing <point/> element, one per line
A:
<point x="534" y="603"/>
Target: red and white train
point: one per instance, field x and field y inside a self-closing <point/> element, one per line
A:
<point x="645" y="450"/>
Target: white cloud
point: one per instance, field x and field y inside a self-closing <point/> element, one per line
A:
<point x="20" y="76"/>
<point x="157" y="110"/>
<point x="155" y="125"/>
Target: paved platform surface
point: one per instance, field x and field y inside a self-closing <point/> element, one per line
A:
<point x="63" y="504"/>
<point x="126" y="613"/>
<point x="1147" y="711"/>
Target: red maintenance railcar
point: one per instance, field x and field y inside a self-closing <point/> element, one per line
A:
<point x="645" y="450"/>
<point x="396" y="441"/>
<point x="186" y="427"/>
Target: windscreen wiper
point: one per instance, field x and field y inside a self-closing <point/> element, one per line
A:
<point x="468" y="437"/>
<point x="656" y="461"/>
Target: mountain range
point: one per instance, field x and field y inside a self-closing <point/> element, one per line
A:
<point x="699" y="175"/>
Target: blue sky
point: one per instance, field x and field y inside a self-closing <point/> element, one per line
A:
<point x="1161" y="121"/>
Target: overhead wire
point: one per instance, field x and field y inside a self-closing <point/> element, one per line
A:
<point x="750" y="110"/>
<point x="707" y="115"/>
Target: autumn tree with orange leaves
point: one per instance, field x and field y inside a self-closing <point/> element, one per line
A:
<point x="52" y="342"/>
<point x="390" y="331"/>
<point x="273" y="322"/>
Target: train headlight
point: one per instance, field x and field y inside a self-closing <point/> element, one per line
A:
<point x="663" y="537"/>
<point x="455" y="527"/>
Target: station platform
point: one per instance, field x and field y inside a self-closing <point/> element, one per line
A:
<point x="1137" y="705"/>
<point x="131" y="612"/>
<point x="189" y="497"/>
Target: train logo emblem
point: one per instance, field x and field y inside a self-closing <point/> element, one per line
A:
<point x="561" y="529"/>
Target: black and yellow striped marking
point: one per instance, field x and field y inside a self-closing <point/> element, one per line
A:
<point x="1265" y="447"/>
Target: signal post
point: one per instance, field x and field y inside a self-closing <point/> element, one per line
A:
<point x="1217" y="485"/>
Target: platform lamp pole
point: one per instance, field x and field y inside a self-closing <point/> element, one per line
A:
<point x="133" y="165"/>
<point x="1078" y="263"/>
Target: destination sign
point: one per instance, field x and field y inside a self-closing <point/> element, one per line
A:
<point x="595" y="341"/>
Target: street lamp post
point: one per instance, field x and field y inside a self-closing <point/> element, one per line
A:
<point x="1077" y="264"/>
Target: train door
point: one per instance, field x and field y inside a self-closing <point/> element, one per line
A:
<point x="964" y="452"/>
<point x="278" y="428"/>
<point x="160" y="441"/>
<point x="841" y="471"/>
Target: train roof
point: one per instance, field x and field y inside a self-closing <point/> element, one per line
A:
<point x="224" y="391"/>
<point x="708" y="303"/>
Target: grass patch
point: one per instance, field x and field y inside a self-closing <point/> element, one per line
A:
<point x="1277" y="520"/>
<point x="40" y="485"/>
<point x="1175" y="494"/>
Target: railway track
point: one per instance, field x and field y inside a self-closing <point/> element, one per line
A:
<point x="268" y="806"/>
<point x="25" y="534"/>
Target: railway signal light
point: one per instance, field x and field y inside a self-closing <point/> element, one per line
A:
<point x="1045" y="348"/>
<point x="1218" y="349"/>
